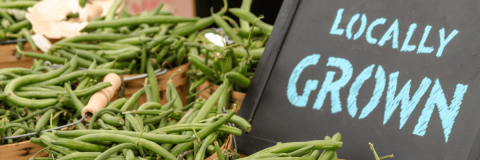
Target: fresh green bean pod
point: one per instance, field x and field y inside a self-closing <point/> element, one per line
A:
<point x="131" y="21"/>
<point x="100" y="112"/>
<point x="202" y="133"/>
<point x="87" y="55"/>
<point x="196" y="126"/>
<point x="51" y="58"/>
<point x="70" y="76"/>
<point x="134" y="40"/>
<point x="117" y="104"/>
<point x="132" y="100"/>
<point x="150" y="105"/>
<point x="127" y="139"/>
<point x="158" y="138"/>
<point x="227" y="29"/>
<point x="80" y="146"/>
<point x="200" y="155"/>
<point x="239" y="79"/>
<point x="250" y="17"/>
<point x="80" y="46"/>
<point x="78" y="105"/>
<point x="115" y="149"/>
<point x="27" y="35"/>
<point x="205" y="69"/>
<point x="17" y="26"/>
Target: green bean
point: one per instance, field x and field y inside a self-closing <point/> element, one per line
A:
<point x="227" y="29"/>
<point x="80" y="146"/>
<point x="134" y="40"/>
<point x="114" y="46"/>
<point x="117" y="103"/>
<point x="105" y="126"/>
<point x="112" y="120"/>
<point x="18" y="125"/>
<point x="159" y="138"/>
<point x="44" y="119"/>
<point x="4" y="14"/>
<point x="115" y="149"/>
<point x="302" y="151"/>
<point x="218" y="151"/>
<point x="206" y="70"/>
<point x="150" y="105"/>
<point x="129" y="155"/>
<point x="100" y="112"/>
<point x="34" y="114"/>
<point x="163" y="52"/>
<point x="53" y="59"/>
<point x="48" y="141"/>
<point x="76" y="102"/>
<point x="164" y="118"/>
<point x="132" y="100"/>
<point x="143" y="60"/>
<point x="81" y="62"/>
<point x="86" y="80"/>
<point x="330" y="154"/>
<point x="127" y="55"/>
<point x="168" y="146"/>
<point x="131" y="66"/>
<point x="239" y="79"/>
<point x="156" y="41"/>
<point x="222" y="101"/>
<point x="146" y="31"/>
<point x="80" y="155"/>
<point x="95" y="37"/>
<point x="87" y="54"/>
<point x="250" y="17"/>
<point x="181" y="56"/>
<point x="64" y="78"/>
<point x="17" y="4"/>
<point x="17" y="26"/>
<point x="202" y="133"/>
<point x="126" y="139"/>
<point x="177" y="104"/>
<point x="152" y="80"/>
<point x="79" y="46"/>
<point x="211" y="102"/>
<point x="246" y="4"/>
<point x="157" y="9"/>
<point x="245" y="33"/>
<point x="135" y="124"/>
<point x="200" y="155"/>
<point x="196" y="126"/>
<point x="131" y="21"/>
<point x="318" y="145"/>
<point x="27" y="35"/>
<point x="200" y="24"/>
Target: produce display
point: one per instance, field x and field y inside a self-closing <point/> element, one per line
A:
<point x="14" y="25"/>
<point x="40" y="98"/>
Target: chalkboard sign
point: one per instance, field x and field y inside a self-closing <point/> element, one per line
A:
<point x="403" y="75"/>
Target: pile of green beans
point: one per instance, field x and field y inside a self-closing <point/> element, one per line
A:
<point x="237" y="61"/>
<point x="307" y="150"/>
<point x="13" y="24"/>
<point x="40" y="99"/>
<point x="128" y="130"/>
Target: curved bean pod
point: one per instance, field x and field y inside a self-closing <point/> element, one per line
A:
<point x="127" y="139"/>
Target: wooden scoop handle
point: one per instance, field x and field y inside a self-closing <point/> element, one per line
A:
<point x="100" y="99"/>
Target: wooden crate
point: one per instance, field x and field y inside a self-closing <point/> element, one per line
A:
<point x="9" y="57"/>
<point x="20" y="151"/>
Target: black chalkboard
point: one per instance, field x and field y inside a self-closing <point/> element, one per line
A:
<point x="403" y="75"/>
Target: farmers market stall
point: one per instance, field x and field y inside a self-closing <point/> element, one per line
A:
<point x="106" y="84"/>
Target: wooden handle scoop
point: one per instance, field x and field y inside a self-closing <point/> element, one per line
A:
<point x="100" y="99"/>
